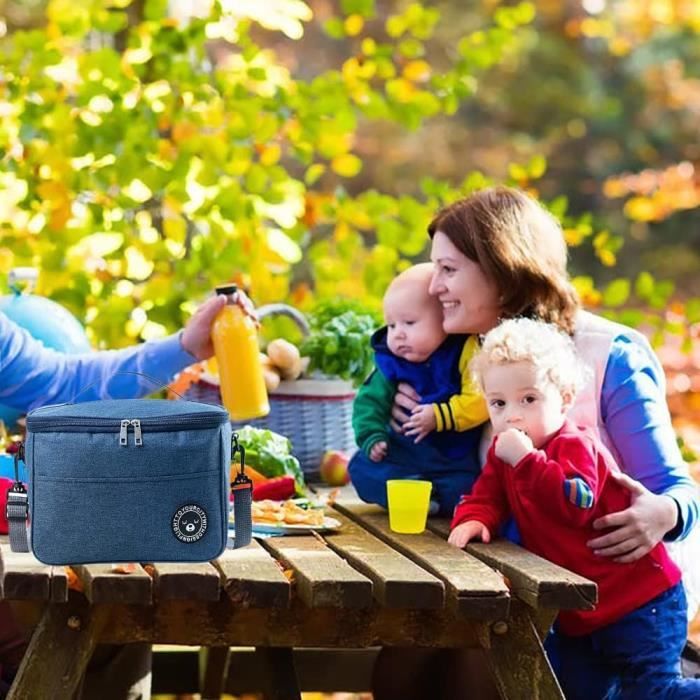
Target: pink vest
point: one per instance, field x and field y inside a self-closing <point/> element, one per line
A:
<point x="593" y="338"/>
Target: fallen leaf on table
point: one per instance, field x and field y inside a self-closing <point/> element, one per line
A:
<point x="124" y="568"/>
<point x="74" y="582"/>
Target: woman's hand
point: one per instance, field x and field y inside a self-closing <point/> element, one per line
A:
<point x="637" y="529"/>
<point x="405" y="400"/>
<point x="421" y="423"/>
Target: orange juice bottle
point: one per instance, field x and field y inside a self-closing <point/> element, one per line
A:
<point x="235" y="339"/>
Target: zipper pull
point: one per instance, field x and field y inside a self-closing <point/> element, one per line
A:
<point x="123" y="437"/>
<point x="138" y="440"/>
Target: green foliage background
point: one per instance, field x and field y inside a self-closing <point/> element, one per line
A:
<point x="145" y="158"/>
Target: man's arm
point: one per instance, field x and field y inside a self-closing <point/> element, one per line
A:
<point x="32" y="375"/>
<point x="467" y="409"/>
<point x="371" y="409"/>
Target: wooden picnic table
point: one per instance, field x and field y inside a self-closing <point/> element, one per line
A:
<point x="360" y="586"/>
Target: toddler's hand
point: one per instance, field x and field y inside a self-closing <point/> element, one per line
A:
<point x="421" y="423"/>
<point x="512" y="445"/>
<point x="466" y="532"/>
<point x="378" y="451"/>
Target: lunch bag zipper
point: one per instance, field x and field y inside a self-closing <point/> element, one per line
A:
<point x="77" y="425"/>
<point x="124" y="432"/>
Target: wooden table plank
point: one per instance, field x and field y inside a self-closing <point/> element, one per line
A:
<point x="253" y="579"/>
<point x="226" y="624"/>
<point x="103" y="585"/>
<point x="185" y="581"/>
<point x="22" y="576"/>
<point x="397" y="581"/>
<point x="474" y="588"/>
<point x="321" y="578"/>
<point x="536" y="581"/>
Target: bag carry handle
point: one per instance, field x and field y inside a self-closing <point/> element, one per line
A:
<point x="242" y="491"/>
<point x="158" y="382"/>
<point x="17" y="508"/>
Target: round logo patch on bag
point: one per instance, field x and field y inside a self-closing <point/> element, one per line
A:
<point x="189" y="523"/>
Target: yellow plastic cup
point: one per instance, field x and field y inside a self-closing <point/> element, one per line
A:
<point x="409" y="500"/>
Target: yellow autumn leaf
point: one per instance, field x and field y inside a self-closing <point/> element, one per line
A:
<point x="52" y="191"/>
<point x="592" y="298"/>
<point x="400" y="89"/>
<point x="606" y="257"/>
<point x="59" y="216"/>
<point x="346" y="165"/>
<point x="641" y="209"/>
<point x="614" y="187"/>
<point x="417" y="71"/>
<point x="353" y="24"/>
<point x="270" y="154"/>
<point x="182" y="131"/>
<point x="573" y="236"/>
<point x="174" y="228"/>
<point x="331" y="143"/>
<point x="368" y="46"/>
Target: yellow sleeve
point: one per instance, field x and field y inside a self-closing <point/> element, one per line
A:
<point x="468" y="408"/>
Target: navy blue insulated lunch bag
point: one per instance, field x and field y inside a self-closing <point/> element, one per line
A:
<point x="127" y="480"/>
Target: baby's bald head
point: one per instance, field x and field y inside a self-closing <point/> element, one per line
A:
<point x="413" y="315"/>
<point x="416" y="279"/>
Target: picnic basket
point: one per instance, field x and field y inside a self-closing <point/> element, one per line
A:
<point x="315" y="413"/>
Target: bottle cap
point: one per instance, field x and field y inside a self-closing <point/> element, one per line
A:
<point x="226" y="289"/>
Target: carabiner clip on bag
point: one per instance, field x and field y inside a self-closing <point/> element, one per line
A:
<point x="242" y="491"/>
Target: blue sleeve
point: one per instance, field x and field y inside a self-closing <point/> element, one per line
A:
<point x="32" y="375"/>
<point x="636" y="417"/>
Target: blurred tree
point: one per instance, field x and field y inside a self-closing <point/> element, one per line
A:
<point x="147" y="154"/>
<point x="146" y="157"/>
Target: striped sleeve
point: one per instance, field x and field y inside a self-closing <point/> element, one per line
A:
<point x="467" y="409"/>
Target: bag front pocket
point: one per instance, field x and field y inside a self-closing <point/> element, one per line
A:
<point x="171" y="517"/>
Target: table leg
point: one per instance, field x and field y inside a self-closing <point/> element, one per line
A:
<point x="543" y="619"/>
<point x="59" y="651"/>
<point x="279" y="673"/>
<point x="520" y="666"/>
<point x="213" y="671"/>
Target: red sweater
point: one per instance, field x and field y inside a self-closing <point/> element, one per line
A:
<point x="554" y="494"/>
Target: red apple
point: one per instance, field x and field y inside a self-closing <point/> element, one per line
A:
<point x="334" y="468"/>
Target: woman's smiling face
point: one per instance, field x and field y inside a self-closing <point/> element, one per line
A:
<point x="468" y="297"/>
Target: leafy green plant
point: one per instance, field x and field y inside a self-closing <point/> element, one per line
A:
<point x="270" y="454"/>
<point x="339" y="342"/>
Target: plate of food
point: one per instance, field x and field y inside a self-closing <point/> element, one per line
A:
<point x="290" y="517"/>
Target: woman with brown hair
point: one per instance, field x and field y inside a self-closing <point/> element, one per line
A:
<point x="498" y="254"/>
